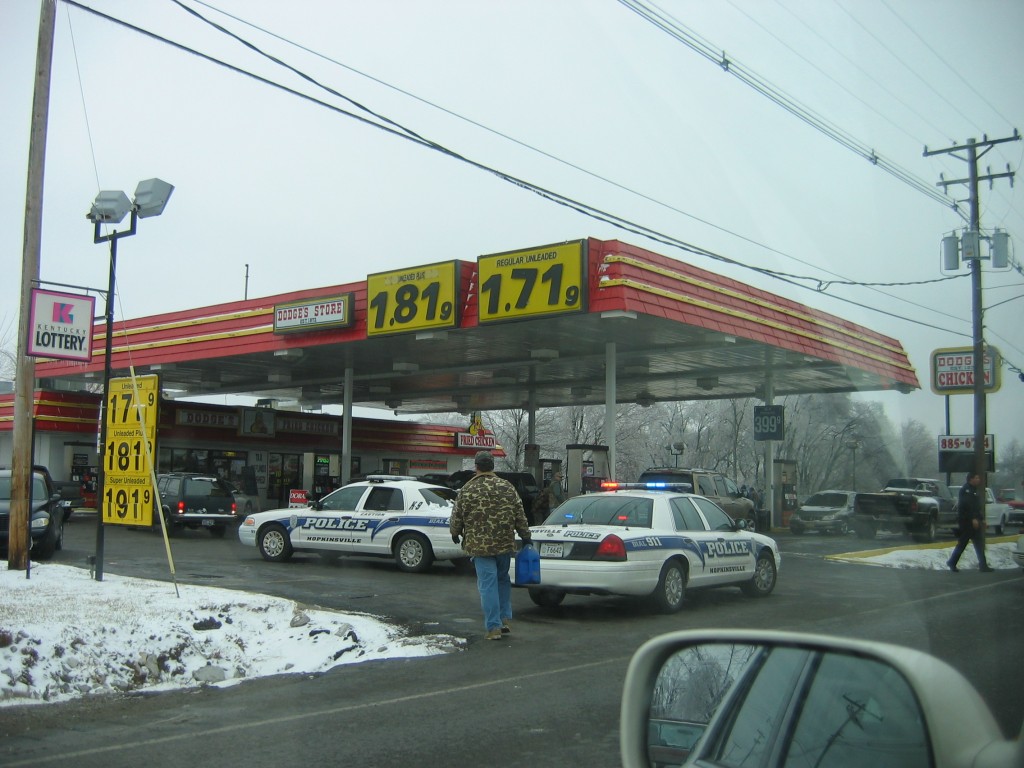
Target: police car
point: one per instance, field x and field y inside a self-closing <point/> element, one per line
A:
<point x="388" y="515"/>
<point x="648" y="539"/>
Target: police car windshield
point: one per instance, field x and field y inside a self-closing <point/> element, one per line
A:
<point x="617" y="510"/>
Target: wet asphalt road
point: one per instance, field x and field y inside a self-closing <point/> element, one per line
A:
<point x="549" y="696"/>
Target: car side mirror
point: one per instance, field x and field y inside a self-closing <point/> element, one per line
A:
<point x="779" y="698"/>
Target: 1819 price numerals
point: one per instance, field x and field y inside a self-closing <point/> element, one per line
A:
<point x="550" y="280"/>
<point x="412" y="307"/>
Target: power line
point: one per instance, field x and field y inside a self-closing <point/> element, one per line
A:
<point x="687" y="37"/>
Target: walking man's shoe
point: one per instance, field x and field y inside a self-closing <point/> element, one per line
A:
<point x="493" y="634"/>
<point x="952" y="567"/>
<point x="506" y="627"/>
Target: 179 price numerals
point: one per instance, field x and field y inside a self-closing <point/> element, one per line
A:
<point x="530" y="289"/>
<point x="412" y="306"/>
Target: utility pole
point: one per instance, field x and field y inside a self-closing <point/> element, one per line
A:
<point x="972" y="253"/>
<point x="25" y="372"/>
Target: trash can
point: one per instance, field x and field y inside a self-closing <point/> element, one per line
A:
<point x="763" y="519"/>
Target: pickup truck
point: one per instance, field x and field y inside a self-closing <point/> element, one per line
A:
<point x="997" y="513"/>
<point x="916" y="505"/>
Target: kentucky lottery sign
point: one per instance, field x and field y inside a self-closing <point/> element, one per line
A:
<point x="60" y="325"/>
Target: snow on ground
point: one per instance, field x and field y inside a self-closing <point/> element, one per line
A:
<point x="64" y="635"/>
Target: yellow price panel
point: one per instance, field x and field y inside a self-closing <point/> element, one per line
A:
<point x="128" y="493"/>
<point x="536" y="283"/>
<point x="415" y="299"/>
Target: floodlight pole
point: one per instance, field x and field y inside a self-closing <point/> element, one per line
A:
<point x="112" y="238"/>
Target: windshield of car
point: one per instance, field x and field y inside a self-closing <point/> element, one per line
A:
<point x="826" y="500"/>
<point x="38" y="488"/>
<point x="613" y="509"/>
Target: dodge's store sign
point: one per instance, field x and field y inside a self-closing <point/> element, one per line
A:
<point x="953" y="370"/>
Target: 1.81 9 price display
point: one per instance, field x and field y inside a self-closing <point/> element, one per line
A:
<point x="534" y="283"/>
<point x="424" y="298"/>
<point x="131" y="419"/>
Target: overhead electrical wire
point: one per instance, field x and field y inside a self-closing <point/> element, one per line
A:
<point x="692" y="40"/>
<point x="400" y="131"/>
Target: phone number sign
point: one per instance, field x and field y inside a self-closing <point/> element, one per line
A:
<point x="543" y="281"/>
<point x="963" y="443"/>
<point x="131" y="412"/>
<point x="415" y="299"/>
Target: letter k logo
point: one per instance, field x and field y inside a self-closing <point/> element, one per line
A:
<point x="62" y="313"/>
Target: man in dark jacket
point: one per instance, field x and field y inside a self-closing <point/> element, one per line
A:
<point x="487" y="515"/>
<point x="971" y="519"/>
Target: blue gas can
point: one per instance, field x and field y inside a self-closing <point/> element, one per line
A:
<point x="527" y="565"/>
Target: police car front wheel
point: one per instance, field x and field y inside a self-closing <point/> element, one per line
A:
<point x="413" y="553"/>
<point x="274" y="544"/>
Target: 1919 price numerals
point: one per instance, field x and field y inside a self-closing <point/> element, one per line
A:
<point x="412" y="306"/>
<point x="527" y="279"/>
<point x="124" y="502"/>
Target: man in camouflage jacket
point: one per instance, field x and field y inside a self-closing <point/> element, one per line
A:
<point x="487" y="515"/>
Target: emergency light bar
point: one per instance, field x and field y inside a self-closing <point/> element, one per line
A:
<point x="654" y="485"/>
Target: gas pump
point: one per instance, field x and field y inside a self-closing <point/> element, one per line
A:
<point x="784" y="486"/>
<point x="586" y="467"/>
<point x="548" y="467"/>
<point x="321" y="475"/>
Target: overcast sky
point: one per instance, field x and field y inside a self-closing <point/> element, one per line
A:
<point x="582" y="97"/>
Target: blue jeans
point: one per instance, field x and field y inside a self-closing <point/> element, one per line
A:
<point x="495" y="588"/>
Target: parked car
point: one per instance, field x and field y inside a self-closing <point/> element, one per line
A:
<point x="524" y="483"/>
<point x="246" y="503"/>
<point x="46" y="515"/>
<point x="670" y="741"/>
<point x="998" y="514"/>
<point x="384" y="515"/>
<point x="825" y="511"/>
<point x="634" y="541"/>
<point x="711" y="485"/>
<point x="786" y="698"/>
<point x="196" y="500"/>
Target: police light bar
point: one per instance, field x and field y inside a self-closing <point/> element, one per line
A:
<point x="384" y="478"/>
<point x="654" y="485"/>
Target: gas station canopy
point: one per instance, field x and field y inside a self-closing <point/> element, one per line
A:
<point x="556" y="325"/>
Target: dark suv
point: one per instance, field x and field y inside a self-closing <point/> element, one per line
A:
<point x="524" y="483"/>
<point x="197" y="500"/>
<point x="709" y="484"/>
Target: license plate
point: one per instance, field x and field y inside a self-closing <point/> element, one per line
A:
<point x="551" y="549"/>
<point x="208" y="523"/>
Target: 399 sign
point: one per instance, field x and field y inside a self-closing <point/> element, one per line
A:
<point x="769" y="422"/>
<point x="412" y="299"/>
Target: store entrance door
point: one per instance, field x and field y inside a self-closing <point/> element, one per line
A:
<point x="285" y="475"/>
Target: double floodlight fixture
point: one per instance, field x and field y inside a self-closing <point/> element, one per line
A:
<point x="111" y="206"/>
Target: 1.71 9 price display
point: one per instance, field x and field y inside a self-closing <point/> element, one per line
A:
<point x="534" y="283"/>
<point x="131" y="419"/>
<point x="423" y="298"/>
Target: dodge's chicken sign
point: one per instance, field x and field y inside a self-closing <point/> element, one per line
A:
<point x="953" y="370"/>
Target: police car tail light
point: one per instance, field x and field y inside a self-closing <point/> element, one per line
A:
<point x="611" y="548"/>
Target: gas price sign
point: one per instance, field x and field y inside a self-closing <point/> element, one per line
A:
<point x="131" y="421"/>
<point x="769" y="422"/>
<point x="535" y="283"/>
<point x="418" y="299"/>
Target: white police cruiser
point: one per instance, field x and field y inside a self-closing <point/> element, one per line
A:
<point x="387" y="515"/>
<point x="648" y="539"/>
